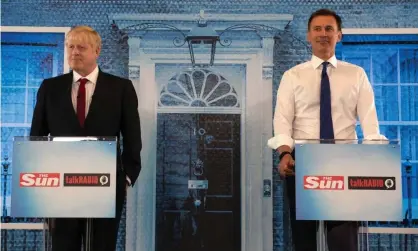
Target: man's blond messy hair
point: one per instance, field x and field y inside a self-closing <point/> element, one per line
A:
<point x="85" y="34"/>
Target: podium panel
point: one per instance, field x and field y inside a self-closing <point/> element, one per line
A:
<point x="64" y="177"/>
<point x="348" y="181"/>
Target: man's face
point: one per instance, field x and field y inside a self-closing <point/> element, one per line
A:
<point x="323" y="35"/>
<point x="82" y="56"/>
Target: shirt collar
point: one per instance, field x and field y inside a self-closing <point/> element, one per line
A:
<point x="316" y="61"/>
<point x="92" y="77"/>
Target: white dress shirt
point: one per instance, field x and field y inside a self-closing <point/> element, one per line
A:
<point x="297" y="116"/>
<point x="90" y="86"/>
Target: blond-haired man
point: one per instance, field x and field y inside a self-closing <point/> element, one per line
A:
<point x="89" y="102"/>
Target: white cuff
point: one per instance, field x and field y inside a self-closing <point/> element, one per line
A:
<point x="375" y="139"/>
<point x="280" y="140"/>
<point x="128" y="180"/>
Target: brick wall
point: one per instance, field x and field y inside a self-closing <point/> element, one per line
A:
<point x="289" y="50"/>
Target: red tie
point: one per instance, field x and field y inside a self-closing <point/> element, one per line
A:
<point x="81" y="101"/>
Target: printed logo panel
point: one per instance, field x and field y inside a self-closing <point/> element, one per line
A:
<point x="87" y="179"/>
<point x="39" y="180"/>
<point x="323" y="182"/>
<point x="371" y="183"/>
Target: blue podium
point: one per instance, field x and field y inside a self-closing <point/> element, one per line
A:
<point x="64" y="177"/>
<point x="347" y="180"/>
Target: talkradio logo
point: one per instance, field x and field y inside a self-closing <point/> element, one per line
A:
<point x="39" y="180"/>
<point x="371" y="183"/>
<point x="323" y="182"/>
<point x="87" y="179"/>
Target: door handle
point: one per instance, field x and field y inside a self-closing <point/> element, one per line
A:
<point x="266" y="188"/>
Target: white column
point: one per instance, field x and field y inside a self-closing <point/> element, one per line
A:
<point x="134" y="43"/>
<point x="267" y="114"/>
<point x="140" y="198"/>
<point x="132" y="194"/>
<point x="252" y="170"/>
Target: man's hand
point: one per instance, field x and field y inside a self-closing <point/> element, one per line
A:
<point x="128" y="183"/>
<point x="286" y="166"/>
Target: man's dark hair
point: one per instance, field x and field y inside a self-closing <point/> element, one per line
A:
<point x="325" y="12"/>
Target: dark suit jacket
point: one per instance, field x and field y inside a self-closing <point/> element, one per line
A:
<point x="113" y="111"/>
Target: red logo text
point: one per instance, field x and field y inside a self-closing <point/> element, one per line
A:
<point x="323" y="182"/>
<point x="87" y="179"/>
<point x="39" y="180"/>
<point x="371" y="183"/>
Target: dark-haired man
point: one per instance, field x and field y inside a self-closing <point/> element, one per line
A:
<point x="321" y="99"/>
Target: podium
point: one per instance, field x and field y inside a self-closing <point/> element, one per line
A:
<point x="347" y="180"/>
<point x="64" y="177"/>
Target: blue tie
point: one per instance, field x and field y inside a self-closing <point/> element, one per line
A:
<point x="326" y="128"/>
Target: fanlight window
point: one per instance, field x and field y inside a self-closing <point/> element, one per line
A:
<point x="198" y="88"/>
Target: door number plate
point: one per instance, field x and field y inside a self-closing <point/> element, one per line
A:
<point x="198" y="184"/>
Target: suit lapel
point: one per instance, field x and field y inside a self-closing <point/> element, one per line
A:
<point x="99" y="91"/>
<point x="69" y="107"/>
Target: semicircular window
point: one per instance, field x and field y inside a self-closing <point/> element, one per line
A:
<point x="198" y="88"/>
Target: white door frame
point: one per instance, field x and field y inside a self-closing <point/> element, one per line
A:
<point x="256" y="53"/>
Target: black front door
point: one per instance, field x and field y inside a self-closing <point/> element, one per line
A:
<point x="193" y="147"/>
